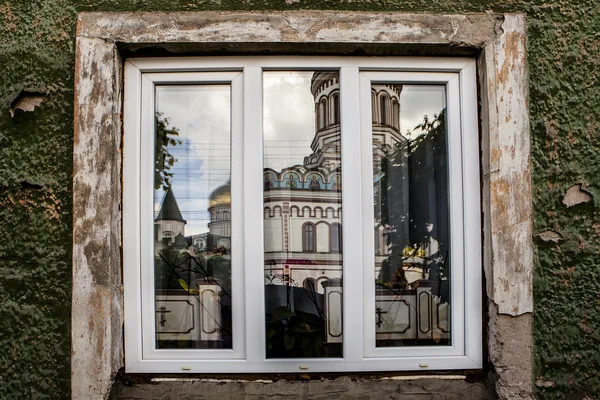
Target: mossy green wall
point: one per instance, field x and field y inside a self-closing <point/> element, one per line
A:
<point x="37" y="54"/>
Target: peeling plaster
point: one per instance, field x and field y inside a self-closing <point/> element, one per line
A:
<point x="576" y="195"/>
<point x="26" y="101"/>
<point x="97" y="298"/>
<point x="509" y="222"/>
<point x="549" y="236"/>
<point x="291" y="27"/>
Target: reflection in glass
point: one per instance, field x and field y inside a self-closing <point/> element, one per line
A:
<point x="302" y="214"/>
<point x="192" y="225"/>
<point x="336" y="237"/>
<point x="410" y="186"/>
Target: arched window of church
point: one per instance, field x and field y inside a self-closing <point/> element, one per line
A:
<point x="374" y="106"/>
<point x="322" y="113"/>
<point x="384" y="103"/>
<point x="335" y="108"/>
<point x="310" y="284"/>
<point x="308" y="238"/>
<point x="396" y="114"/>
<point x="336" y="238"/>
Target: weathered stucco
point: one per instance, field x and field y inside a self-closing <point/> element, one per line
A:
<point x="97" y="297"/>
<point x="508" y="255"/>
<point x="37" y="54"/>
<point x="297" y="27"/>
<point x="339" y="388"/>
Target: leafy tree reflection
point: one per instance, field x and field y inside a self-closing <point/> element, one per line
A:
<point x="419" y="164"/>
<point x="166" y="136"/>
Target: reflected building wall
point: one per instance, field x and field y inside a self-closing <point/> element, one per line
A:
<point x="302" y="203"/>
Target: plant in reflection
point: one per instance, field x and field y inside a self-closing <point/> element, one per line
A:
<point x="185" y="268"/>
<point x="298" y="333"/>
<point x="413" y="198"/>
<point x="166" y="136"/>
<point x="295" y="334"/>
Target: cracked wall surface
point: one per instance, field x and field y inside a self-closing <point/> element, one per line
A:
<point x="37" y="55"/>
<point x="339" y="388"/>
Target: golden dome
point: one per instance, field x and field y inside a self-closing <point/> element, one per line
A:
<point x="220" y="196"/>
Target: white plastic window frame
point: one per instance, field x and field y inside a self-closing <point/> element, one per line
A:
<point x="248" y="353"/>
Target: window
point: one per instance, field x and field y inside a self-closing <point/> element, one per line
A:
<point x="322" y="112"/>
<point x="384" y="109"/>
<point x="383" y="213"/>
<point x="308" y="239"/>
<point x="309" y="284"/>
<point x="336" y="238"/>
<point x="396" y="113"/>
<point x="374" y="107"/>
<point x="335" y="108"/>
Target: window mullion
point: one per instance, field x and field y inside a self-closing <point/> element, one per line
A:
<point x="368" y="261"/>
<point x="131" y="214"/>
<point x="147" y="215"/>
<point x="253" y="217"/>
<point x="237" y="212"/>
<point x="456" y="205"/>
<point x="352" y="207"/>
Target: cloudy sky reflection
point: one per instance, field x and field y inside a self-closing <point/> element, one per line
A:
<point x="289" y="118"/>
<point x="202" y="113"/>
<point x="416" y="101"/>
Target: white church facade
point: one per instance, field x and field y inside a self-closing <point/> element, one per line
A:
<point x="302" y="204"/>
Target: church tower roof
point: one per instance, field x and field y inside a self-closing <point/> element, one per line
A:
<point x="221" y="195"/>
<point x="169" y="210"/>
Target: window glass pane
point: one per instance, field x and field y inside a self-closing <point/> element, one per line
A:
<point x="302" y="214"/>
<point x="336" y="238"/>
<point x="192" y="221"/>
<point x="410" y="168"/>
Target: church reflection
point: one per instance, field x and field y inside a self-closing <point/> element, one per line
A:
<point x="303" y="252"/>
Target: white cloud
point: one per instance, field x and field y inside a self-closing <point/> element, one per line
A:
<point x="289" y="119"/>
<point x="202" y="113"/>
<point x="417" y="101"/>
